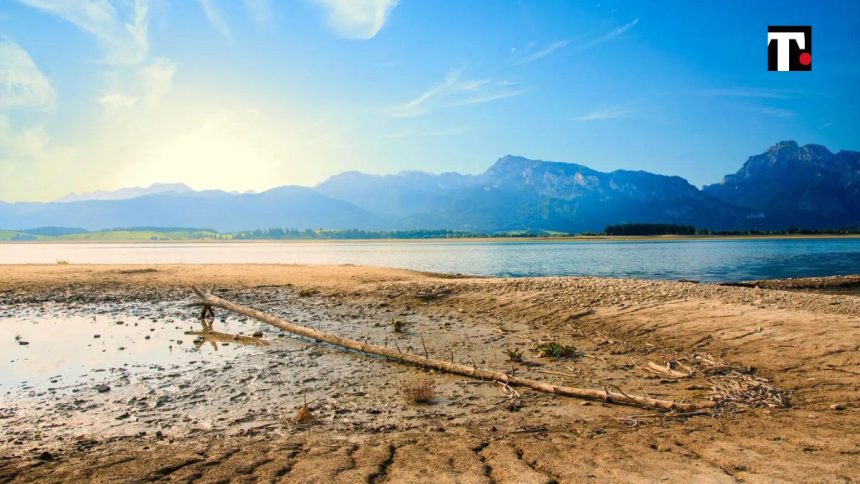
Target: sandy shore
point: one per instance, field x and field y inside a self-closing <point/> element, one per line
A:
<point x="229" y="417"/>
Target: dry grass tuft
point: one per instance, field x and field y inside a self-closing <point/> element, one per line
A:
<point x="419" y="391"/>
<point x="145" y="270"/>
<point x="308" y="291"/>
<point x="304" y="415"/>
<point x="734" y="385"/>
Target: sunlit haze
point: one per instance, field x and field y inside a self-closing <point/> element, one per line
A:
<point x="253" y="94"/>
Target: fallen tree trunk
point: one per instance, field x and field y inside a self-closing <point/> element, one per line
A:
<point x="208" y="300"/>
<point x="665" y="370"/>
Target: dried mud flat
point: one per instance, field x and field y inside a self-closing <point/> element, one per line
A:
<point x="227" y="415"/>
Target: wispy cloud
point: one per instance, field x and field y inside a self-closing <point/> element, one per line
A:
<point x="609" y="35"/>
<point x="121" y="27"/>
<point x="545" y="51"/>
<point x="260" y="11"/>
<point x="749" y="92"/>
<point x="776" y="112"/>
<point x="453" y="91"/>
<point x="409" y="132"/>
<point x="561" y="44"/>
<point x="488" y="97"/>
<point x="212" y="10"/>
<point x="358" y="19"/>
<point x="604" y="113"/>
<point x="22" y="84"/>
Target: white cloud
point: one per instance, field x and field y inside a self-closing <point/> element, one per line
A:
<point x="605" y="113"/>
<point x="455" y="92"/>
<point x="116" y="101"/>
<point x="156" y="78"/>
<point x="358" y="19"/>
<point x="120" y="27"/>
<point x="215" y="17"/>
<point x="609" y="35"/>
<point x="147" y="86"/>
<point x="22" y="84"/>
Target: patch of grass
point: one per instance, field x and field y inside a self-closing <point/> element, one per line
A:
<point x="419" y="391"/>
<point x="557" y="350"/>
<point x="141" y="235"/>
<point x="62" y="262"/>
<point x="398" y="325"/>
<point x="514" y="354"/>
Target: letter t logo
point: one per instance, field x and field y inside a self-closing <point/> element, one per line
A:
<point x="789" y="48"/>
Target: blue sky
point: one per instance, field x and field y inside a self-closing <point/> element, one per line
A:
<point x="251" y="94"/>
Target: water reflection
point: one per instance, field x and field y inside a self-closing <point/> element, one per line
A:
<point x="65" y="350"/>
<point x="705" y="260"/>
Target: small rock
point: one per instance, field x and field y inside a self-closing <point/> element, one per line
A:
<point x="179" y="341"/>
<point x="837" y="406"/>
<point x="123" y="416"/>
<point x="102" y="388"/>
<point x="97" y="336"/>
<point x="258" y="334"/>
<point x="45" y="456"/>
<point x="23" y="343"/>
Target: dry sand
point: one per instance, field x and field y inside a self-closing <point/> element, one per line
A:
<point x="232" y="422"/>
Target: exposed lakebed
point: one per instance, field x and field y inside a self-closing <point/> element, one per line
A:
<point x="140" y="364"/>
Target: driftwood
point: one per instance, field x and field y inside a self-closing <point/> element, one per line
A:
<point x="666" y="370"/>
<point x="209" y="301"/>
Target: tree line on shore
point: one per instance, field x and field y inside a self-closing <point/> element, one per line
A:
<point x="187" y="233"/>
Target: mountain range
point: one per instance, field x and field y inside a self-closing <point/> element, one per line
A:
<point x="786" y="186"/>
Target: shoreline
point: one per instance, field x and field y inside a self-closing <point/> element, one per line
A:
<point x="580" y="238"/>
<point x="215" y="414"/>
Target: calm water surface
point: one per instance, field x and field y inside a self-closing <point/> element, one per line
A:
<point x="706" y="260"/>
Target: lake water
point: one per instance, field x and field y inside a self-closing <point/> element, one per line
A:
<point x="705" y="260"/>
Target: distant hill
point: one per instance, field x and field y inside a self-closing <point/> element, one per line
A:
<point x="521" y="194"/>
<point x="787" y="186"/>
<point x="289" y="206"/>
<point x="796" y="186"/>
<point x="126" y="193"/>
